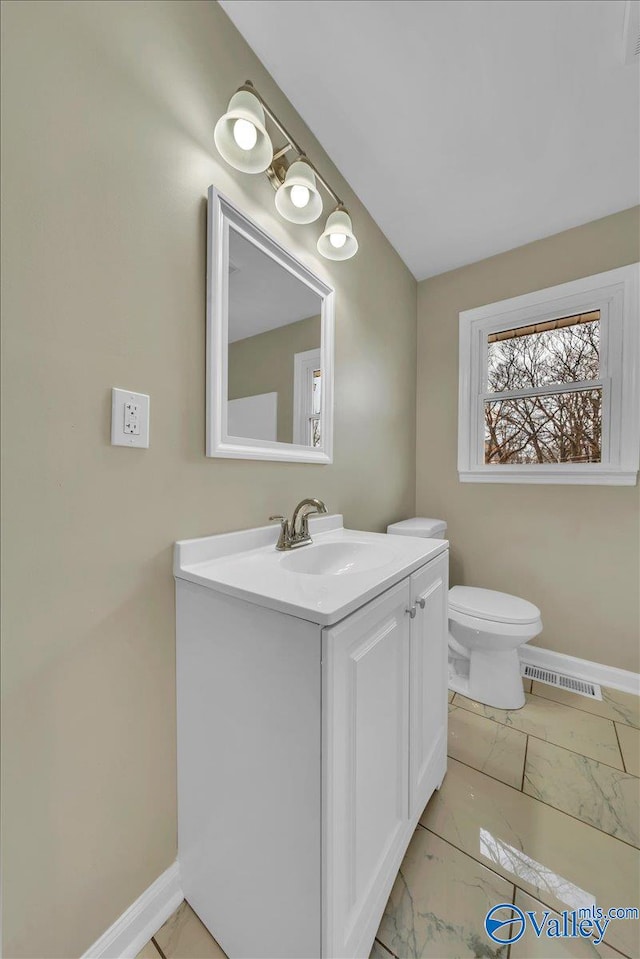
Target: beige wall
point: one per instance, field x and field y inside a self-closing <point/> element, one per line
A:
<point x="264" y="364"/>
<point x="108" y="117"/>
<point x="572" y="550"/>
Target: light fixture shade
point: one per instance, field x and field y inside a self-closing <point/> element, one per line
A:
<point x="244" y="106"/>
<point x="299" y="174"/>
<point x="338" y="222"/>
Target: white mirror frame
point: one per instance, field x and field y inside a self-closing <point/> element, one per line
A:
<point x="221" y="214"/>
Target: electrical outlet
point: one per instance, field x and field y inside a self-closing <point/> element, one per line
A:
<point x="132" y="418"/>
<point x="129" y="418"/>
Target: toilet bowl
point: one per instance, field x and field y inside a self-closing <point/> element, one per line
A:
<point x="486" y="628"/>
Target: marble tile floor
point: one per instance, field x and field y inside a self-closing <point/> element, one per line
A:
<point x="540" y="807"/>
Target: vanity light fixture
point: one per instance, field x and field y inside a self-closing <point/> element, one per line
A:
<point x="338" y="241"/>
<point x="241" y="136"/>
<point x="298" y="198"/>
<point x="243" y="141"/>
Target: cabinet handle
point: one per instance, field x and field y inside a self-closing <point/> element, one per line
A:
<point x="422" y="602"/>
<point x="412" y="612"/>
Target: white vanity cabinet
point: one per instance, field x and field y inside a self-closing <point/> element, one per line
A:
<point x="306" y="754"/>
<point x="428" y="693"/>
<point x="366" y="673"/>
<point x="384" y="725"/>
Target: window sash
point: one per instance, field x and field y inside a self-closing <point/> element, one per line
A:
<point x="547" y="390"/>
<point x="604" y="383"/>
<point x="498" y="398"/>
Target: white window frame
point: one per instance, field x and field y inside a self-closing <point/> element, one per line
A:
<point x="304" y="366"/>
<point x="615" y="295"/>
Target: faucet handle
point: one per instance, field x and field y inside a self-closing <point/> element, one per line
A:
<point x="284" y="540"/>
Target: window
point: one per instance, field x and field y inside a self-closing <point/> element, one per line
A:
<point x="549" y="385"/>
<point x="316" y="398"/>
<point x="307" y="398"/>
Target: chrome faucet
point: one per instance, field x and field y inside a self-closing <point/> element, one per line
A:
<point x="294" y="534"/>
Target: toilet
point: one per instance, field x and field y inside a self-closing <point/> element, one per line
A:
<point x="485" y="630"/>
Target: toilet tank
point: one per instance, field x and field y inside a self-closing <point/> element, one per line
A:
<point x="422" y="526"/>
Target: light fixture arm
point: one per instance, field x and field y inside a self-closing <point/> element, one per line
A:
<point x="291" y="143"/>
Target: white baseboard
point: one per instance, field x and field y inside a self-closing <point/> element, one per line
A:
<point x="128" y="934"/>
<point x="611" y="676"/>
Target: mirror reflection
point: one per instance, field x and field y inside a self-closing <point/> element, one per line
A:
<point x="274" y="372"/>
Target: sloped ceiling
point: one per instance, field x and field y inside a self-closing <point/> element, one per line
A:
<point x="466" y="128"/>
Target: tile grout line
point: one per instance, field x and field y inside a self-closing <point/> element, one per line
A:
<point x="524" y="764"/>
<point x="541" y="801"/>
<point x="624" y="765"/>
<point x="581" y="709"/>
<point x="549" y="906"/>
<point x="395" y="956"/>
<point x="513" y="901"/>
<point x="574" y="752"/>
<point x="533" y="735"/>
<point x="500" y="876"/>
<point x="465" y="853"/>
<point x="557" y="702"/>
<point x="550" y="743"/>
<point x="155" y="942"/>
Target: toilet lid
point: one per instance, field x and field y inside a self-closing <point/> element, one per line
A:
<point x="489" y="604"/>
<point x="419" y="526"/>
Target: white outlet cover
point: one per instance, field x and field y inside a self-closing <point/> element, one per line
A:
<point x="119" y="399"/>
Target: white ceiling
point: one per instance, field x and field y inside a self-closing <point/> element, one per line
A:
<point x="262" y="294"/>
<point x="466" y="127"/>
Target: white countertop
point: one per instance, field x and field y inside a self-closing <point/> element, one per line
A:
<point x="245" y="564"/>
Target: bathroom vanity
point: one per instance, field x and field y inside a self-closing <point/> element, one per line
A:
<point x="312" y="712"/>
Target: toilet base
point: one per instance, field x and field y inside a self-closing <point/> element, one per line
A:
<point x="459" y="684"/>
<point x="493" y="678"/>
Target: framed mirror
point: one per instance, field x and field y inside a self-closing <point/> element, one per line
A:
<point x="270" y="324"/>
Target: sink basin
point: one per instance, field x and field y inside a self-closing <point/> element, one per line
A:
<point x="336" y="559"/>
<point x="322" y="583"/>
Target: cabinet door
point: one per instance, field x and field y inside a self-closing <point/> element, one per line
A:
<point x="365" y="768"/>
<point x="429" y="681"/>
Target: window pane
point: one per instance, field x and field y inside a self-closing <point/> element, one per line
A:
<point x="557" y="428"/>
<point x="316" y="388"/>
<point x="316" y="438"/>
<point x="558" y="351"/>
